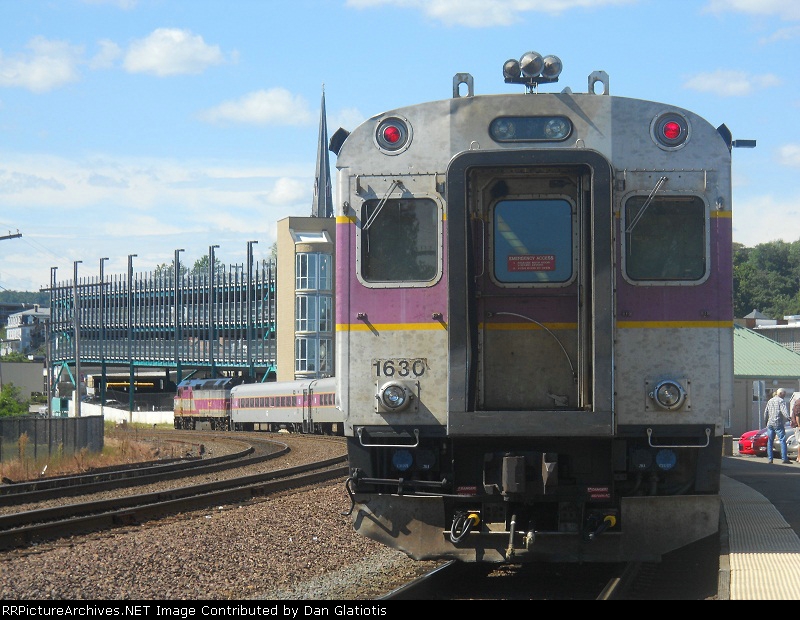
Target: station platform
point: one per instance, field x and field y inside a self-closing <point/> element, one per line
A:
<point x="759" y="543"/>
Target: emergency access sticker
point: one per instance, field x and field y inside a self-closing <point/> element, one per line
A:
<point x="532" y="262"/>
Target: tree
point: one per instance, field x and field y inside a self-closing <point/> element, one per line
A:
<point x="167" y="272"/>
<point x="767" y="278"/>
<point x="15" y="356"/>
<point x="10" y="402"/>
<point x="200" y="266"/>
<point x="25" y="297"/>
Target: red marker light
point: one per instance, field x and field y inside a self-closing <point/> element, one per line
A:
<point x="391" y="134"/>
<point x="671" y="130"/>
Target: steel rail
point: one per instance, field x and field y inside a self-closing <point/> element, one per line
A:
<point x="25" y="528"/>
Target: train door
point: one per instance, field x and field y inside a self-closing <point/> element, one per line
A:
<point x="308" y="422"/>
<point x="537" y="281"/>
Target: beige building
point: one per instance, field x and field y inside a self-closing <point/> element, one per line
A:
<point x="305" y="300"/>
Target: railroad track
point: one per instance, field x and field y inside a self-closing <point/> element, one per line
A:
<point x="25" y="528"/>
<point x="689" y="573"/>
<point x="461" y="581"/>
<point x="139" y="474"/>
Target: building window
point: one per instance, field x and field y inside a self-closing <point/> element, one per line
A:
<point x="325" y="313"/>
<point x="325" y="351"/>
<point x="313" y="272"/>
<point x="313" y="313"/>
<point x="305" y="313"/>
<point x="313" y="355"/>
<point x="305" y="354"/>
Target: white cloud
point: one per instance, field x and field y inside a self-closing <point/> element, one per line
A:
<point x="764" y="218"/>
<point x="784" y="9"/>
<point x="122" y="4"/>
<point x="117" y="206"/>
<point x="730" y="83"/>
<point x="105" y="57"/>
<point x="485" y="13"/>
<point x="169" y="51"/>
<point x="288" y="191"/>
<point x="782" y="34"/>
<point x="50" y="64"/>
<point x="262" y="107"/>
<point x="347" y="118"/>
<point x="789" y="155"/>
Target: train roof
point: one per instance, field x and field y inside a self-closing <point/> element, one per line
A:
<point x="284" y="387"/>
<point x="218" y="382"/>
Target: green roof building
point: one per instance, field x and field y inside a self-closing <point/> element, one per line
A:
<point x="760" y="366"/>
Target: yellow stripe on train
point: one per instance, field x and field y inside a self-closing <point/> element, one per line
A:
<point x="362" y="327"/>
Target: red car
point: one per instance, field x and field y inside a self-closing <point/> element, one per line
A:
<point x="754" y="442"/>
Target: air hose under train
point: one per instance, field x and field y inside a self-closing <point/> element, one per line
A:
<point x="463" y="523"/>
<point x="350" y="493"/>
<point x="594" y="529"/>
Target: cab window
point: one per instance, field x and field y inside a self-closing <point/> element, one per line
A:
<point x="665" y="239"/>
<point x="399" y="240"/>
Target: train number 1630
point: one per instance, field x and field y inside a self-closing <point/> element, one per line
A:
<point x="400" y="367"/>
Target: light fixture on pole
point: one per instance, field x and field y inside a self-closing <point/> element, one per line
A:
<point x="130" y="336"/>
<point x="250" y="369"/>
<point x="178" y="314"/>
<point x="102" y="334"/>
<point x="77" y="327"/>
<point x="50" y="345"/>
<point x="211" y="309"/>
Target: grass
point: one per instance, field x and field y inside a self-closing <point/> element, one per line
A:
<point x="122" y="445"/>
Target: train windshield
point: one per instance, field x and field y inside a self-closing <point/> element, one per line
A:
<point x="400" y="240"/>
<point x="665" y="239"/>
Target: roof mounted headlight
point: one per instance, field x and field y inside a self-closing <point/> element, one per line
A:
<point x="511" y="69"/>
<point x="532" y="69"/>
<point x="531" y="64"/>
<point x="551" y="66"/>
<point x="668" y="394"/>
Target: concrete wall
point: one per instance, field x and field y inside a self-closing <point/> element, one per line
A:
<point x="123" y="415"/>
<point x="28" y="377"/>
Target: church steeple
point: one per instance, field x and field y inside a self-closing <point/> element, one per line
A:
<point x="322" y="205"/>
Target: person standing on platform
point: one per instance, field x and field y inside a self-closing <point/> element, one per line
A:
<point x="794" y="407"/>
<point x="776" y="414"/>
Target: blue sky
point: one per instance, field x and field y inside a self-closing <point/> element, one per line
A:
<point x="145" y="126"/>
